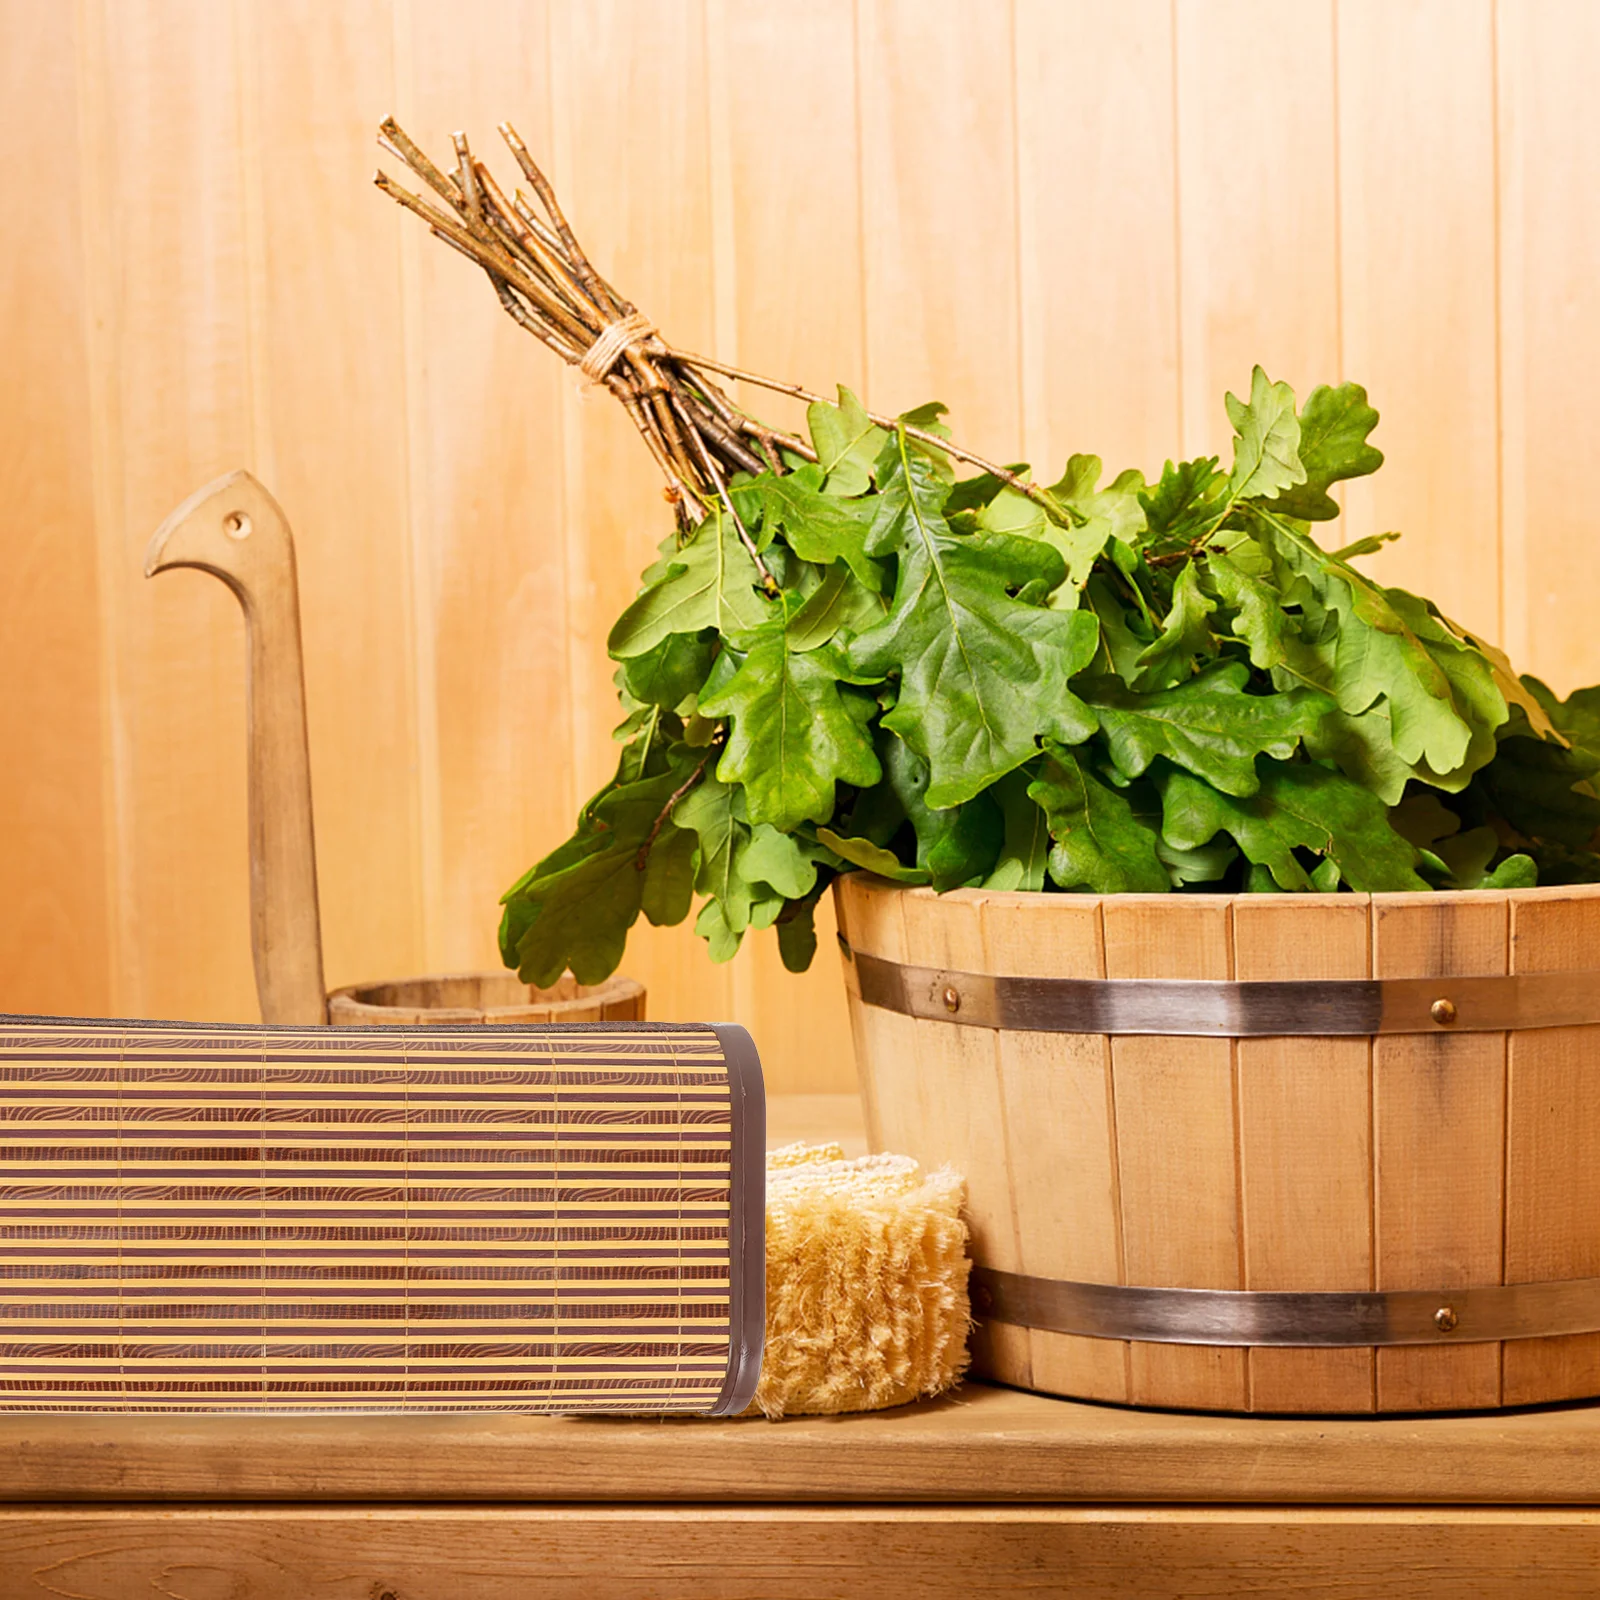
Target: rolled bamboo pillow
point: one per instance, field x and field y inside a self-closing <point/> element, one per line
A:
<point x="555" y="1218"/>
<point x="866" y="1282"/>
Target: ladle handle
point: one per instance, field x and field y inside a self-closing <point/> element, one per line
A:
<point x="236" y="531"/>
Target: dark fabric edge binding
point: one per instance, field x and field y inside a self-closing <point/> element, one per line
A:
<point x="747" y="1220"/>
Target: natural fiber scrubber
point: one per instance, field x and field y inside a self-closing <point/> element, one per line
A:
<point x="866" y="1282"/>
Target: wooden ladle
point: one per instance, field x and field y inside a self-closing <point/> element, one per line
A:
<point x="236" y="531"/>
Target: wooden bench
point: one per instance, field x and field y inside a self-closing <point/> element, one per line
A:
<point x="987" y="1491"/>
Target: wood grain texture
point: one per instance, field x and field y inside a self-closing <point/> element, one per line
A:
<point x="1257" y="210"/>
<point x="1097" y="227"/>
<point x="938" y="183"/>
<point x="173" y="389"/>
<point x="961" y="1109"/>
<point x="327" y="323"/>
<point x="770" y="69"/>
<point x="486" y="559"/>
<point x="1552" y="1227"/>
<point x="54" y="725"/>
<point x="1439" y="1120"/>
<point x="630" y="77"/>
<point x="1177" y="1144"/>
<point x="981" y="1444"/>
<point x="1417" y="261"/>
<point x="724" y="1553"/>
<point x="1305" y="1145"/>
<point x="871" y="918"/>
<point x="1060" y="1135"/>
<point x="1549" y="145"/>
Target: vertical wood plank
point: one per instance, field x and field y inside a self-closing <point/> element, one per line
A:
<point x="789" y="292"/>
<point x="630" y="78"/>
<point x="1417" y="224"/>
<point x="938" y="192"/>
<point x="962" y="1109"/>
<point x="870" y="914"/>
<point x="1439" y="1104"/>
<point x="1305" y="1139"/>
<point x="1552" y="1136"/>
<point x="331" y="324"/>
<point x="1060" y="1133"/>
<point x="55" y="951"/>
<point x="1097" y="233"/>
<point x="168" y="314"/>
<point x="1257" y="212"/>
<point x="1550" y="331"/>
<point x="1177" y="1144"/>
<point x="486" y="465"/>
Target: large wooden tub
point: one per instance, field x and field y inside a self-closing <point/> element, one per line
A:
<point x="1423" y="1196"/>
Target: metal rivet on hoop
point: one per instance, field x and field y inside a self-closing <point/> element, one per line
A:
<point x="1445" y="1319"/>
<point x="1443" y="1012"/>
<point x="952" y="999"/>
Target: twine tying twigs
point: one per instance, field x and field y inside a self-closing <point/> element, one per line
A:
<point x="627" y="333"/>
<point x="548" y="285"/>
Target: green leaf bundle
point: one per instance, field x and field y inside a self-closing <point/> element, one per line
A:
<point x="849" y="658"/>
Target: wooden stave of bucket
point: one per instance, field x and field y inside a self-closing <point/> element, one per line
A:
<point x="1303" y="1164"/>
<point x="484" y="997"/>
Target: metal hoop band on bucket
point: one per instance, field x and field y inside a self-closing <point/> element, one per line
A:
<point x="1222" y="1010"/>
<point x="1273" y="1317"/>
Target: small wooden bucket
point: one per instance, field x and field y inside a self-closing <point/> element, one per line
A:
<point x="1283" y="1153"/>
<point x="487" y="997"/>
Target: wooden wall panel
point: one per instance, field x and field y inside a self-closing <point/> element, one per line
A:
<point x="1549" y="332"/>
<point x="1077" y="224"/>
<point x="488" y="532"/>
<point x="330" y="324"/>
<point x="1097" y="234"/>
<point x="939" y="199"/>
<point x="172" y="405"/>
<point x="52" y="726"/>
<point x="1417" y="257"/>
<point x="631" y="77"/>
<point x="1257" y="204"/>
<point x="795" y="315"/>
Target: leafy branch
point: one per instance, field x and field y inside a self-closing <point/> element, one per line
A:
<point x="846" y="658"/>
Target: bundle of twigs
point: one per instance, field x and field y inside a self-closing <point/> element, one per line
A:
<point x="698" y="436"/>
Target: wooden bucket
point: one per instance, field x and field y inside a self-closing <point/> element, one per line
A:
<point x="488" y="997"/>
<point x="1403" y="1218"/>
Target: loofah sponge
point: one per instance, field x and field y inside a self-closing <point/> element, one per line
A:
<point x="866" y="1282"/>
